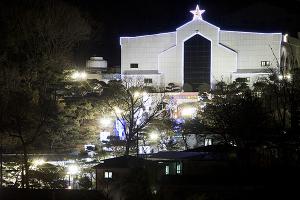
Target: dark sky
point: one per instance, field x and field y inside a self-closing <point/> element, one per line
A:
<point x="139" y="17"/>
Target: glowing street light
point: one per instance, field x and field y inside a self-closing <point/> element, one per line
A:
<point x="136" y="94"/>
<point x="83" y="75"/>
<point x="288" y="77"/>
<point x="188" y="111"/>
<point x="38" y="162"/>
<point x="153" y="136"/>
<point x="117" y="110"/>
<point x="75" y="75"/>
<point x="79" y="75"/>
<point x="105" y="122"/>
<point x="71" y="171"/>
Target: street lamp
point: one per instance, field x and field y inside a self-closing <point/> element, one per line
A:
<point x="105" y="121"/>
<point x="154" y="139"/>
<point x="136" y="94"/>
<point x="38" y="162"/>
<point x="79" y="75"/>
<point x="153" y="136"/>
<point x="72" y="170"/>
<point x="287" y="77"/>
<point x="188" y="111"/>
<point x="117" y="110"/>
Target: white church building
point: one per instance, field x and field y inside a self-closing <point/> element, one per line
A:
<point x="199" y="53"/>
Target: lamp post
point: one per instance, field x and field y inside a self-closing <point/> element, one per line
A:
<point x="105" y="122"/>
<point x="137" y="144"/>
<point x="154" y="137"/>
<point x="72" y="170"/>
<point x="1" y="160"/>
<point x="79" y="75"/>
<point x="189" y="112"/>
<point x="38" y="162"/>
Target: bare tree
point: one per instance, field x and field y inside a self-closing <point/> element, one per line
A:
<point x="280" y="90"/>
<point x="134" y="108"/>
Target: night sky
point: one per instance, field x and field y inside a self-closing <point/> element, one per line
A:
<point x="140" y="17"/>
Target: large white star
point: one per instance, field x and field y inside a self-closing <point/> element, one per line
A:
<point x="197" y="13"/>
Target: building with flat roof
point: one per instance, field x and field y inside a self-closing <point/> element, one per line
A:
<point x="199" y="53"/>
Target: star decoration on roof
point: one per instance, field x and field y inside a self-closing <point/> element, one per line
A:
<point x="197" y="13"/>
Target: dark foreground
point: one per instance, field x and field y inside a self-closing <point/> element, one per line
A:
<point x="44" y="194"/>
<point x="207" y="193"/>
<point x="280" y="183"/>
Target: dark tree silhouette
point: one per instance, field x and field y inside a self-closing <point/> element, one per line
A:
<point x="36" y="46"/>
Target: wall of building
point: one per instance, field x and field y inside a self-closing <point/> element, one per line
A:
<point x="144" y="50"/>
<point x="168" y="66"/>
<point x="231" y="51"/>
<point x="290" y="53"/>
<point x="252" y="48"/>
<point x="190" y="29"/>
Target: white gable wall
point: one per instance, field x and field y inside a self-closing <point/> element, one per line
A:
<point x="225" y="63"/>
<point x="190" y="29"/>
<point x="144" y="50"/>
<point x="168" y="66"/>
<point x="252" y="48"/>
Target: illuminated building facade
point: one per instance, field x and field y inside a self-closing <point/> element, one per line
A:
<point x="199" y="53"/>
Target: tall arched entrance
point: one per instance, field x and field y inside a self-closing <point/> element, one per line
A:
<point x="197" y="61"/>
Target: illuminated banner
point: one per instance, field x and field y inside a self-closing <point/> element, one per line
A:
<point x="119" y="128"/>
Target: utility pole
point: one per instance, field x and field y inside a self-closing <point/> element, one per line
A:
<point x="1" y="161"/>
<point x="137" y="144"/>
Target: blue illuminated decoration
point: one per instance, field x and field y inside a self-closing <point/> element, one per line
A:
<point x="179" y="121"/>
<point x="119" y="129"/>
<point x="177" y="127"/>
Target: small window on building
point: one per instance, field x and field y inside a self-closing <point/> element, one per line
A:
<point x="233" y="143"/>
<point x="265" y="63"/>
<point x="148" y="80"/>
<point x="134" y="65"/>
<point x="258" y="94"/>
<point x="243" y="80"/>
<point x="108" y="175"/>
<point x="167" y="170"/>
<point x="207" y="141"/>
<point x="178" y="168"/>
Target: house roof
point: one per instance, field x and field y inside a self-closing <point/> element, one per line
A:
<point x="211" y="152"/>
<point x="122" y="162"/>
<point x="218" y="148"/>
<point x="176" y="155"/>
<point x="181" y="155"/>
